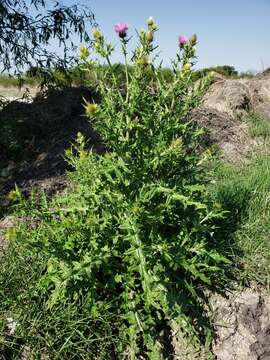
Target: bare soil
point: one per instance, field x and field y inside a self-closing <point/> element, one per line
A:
<point x="242" y="324"/>
<point x="14" y="92"/>
<point x="230" y="134"/>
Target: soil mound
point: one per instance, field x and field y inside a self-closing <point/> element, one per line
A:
<point x="228" y="96"/>
<point x="237" y="96"/>
<point x="227" y="132"/>
<point x="43" y="129"/>
<point x="222" y="111"/>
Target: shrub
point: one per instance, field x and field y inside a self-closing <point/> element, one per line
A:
<point x="133" y="242"/>
<point x="266" y="72"/>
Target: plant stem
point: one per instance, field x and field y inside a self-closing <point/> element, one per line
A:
<point x="108" y="61"/>
<point x="124" y="49"/>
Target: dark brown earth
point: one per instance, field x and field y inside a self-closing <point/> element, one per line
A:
<point x="48" y="126"/>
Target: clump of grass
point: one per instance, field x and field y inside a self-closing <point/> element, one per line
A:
<point x="245" y="193"/>
<point x="259" y="126"/>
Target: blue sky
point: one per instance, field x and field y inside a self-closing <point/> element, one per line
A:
<point x="233" y="32"/>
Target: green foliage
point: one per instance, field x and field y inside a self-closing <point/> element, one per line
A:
<point x="133" y="243"/>
<point x="245" y="194"/>
<point x="266" y="72"/>
<point x="7" y="81"/>
<point x="66" y="330"/>
<point x="225" y="70"/>
<point x="259" y="126"/>
<point x="27" y="27"/>
<point x="247" y="74"/>
<point x="78" y="75"/>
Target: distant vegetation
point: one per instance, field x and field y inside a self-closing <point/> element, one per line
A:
<point x="267" y="71"/>
<point x="225" y="70"/>
<point x="74" y="76"/>
<point x="8" y="81"/>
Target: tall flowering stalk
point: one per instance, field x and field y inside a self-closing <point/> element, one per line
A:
<point x="121" y="29"/>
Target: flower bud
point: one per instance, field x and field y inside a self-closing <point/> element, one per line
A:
<point x="13" y="195"/>
<point x="90" y="109"/>
<point x="121" y="29"/>
<point x="150" y="21"/>
<point x="152" y="26"/>
<point x="193" y="40"/>
<point x="143" y="61"/>
<point x="187" y="67"/>
<point x="84" y="52"/>
<point x="97" y="34"/>
<point x="182" y="40"/>
<point x="149" y="36"/>
<point x="176" y="143"/>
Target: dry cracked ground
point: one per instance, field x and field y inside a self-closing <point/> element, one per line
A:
<point x="242" y="317"/>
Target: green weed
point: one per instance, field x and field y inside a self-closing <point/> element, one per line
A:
<point x="132" y="247"/>
<point x="259" y="126"/>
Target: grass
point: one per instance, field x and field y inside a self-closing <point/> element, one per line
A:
<point x="13" y="81"/>
<point x="245" y="194"/>
<point x="61" y="331"/>
<point x="259" y="126"/>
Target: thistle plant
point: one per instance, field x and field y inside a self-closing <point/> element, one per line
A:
<point x="135" y="238"/>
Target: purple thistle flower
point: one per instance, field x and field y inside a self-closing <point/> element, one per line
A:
<point x="121" y="29"/>
<point x="182" y="40"/>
